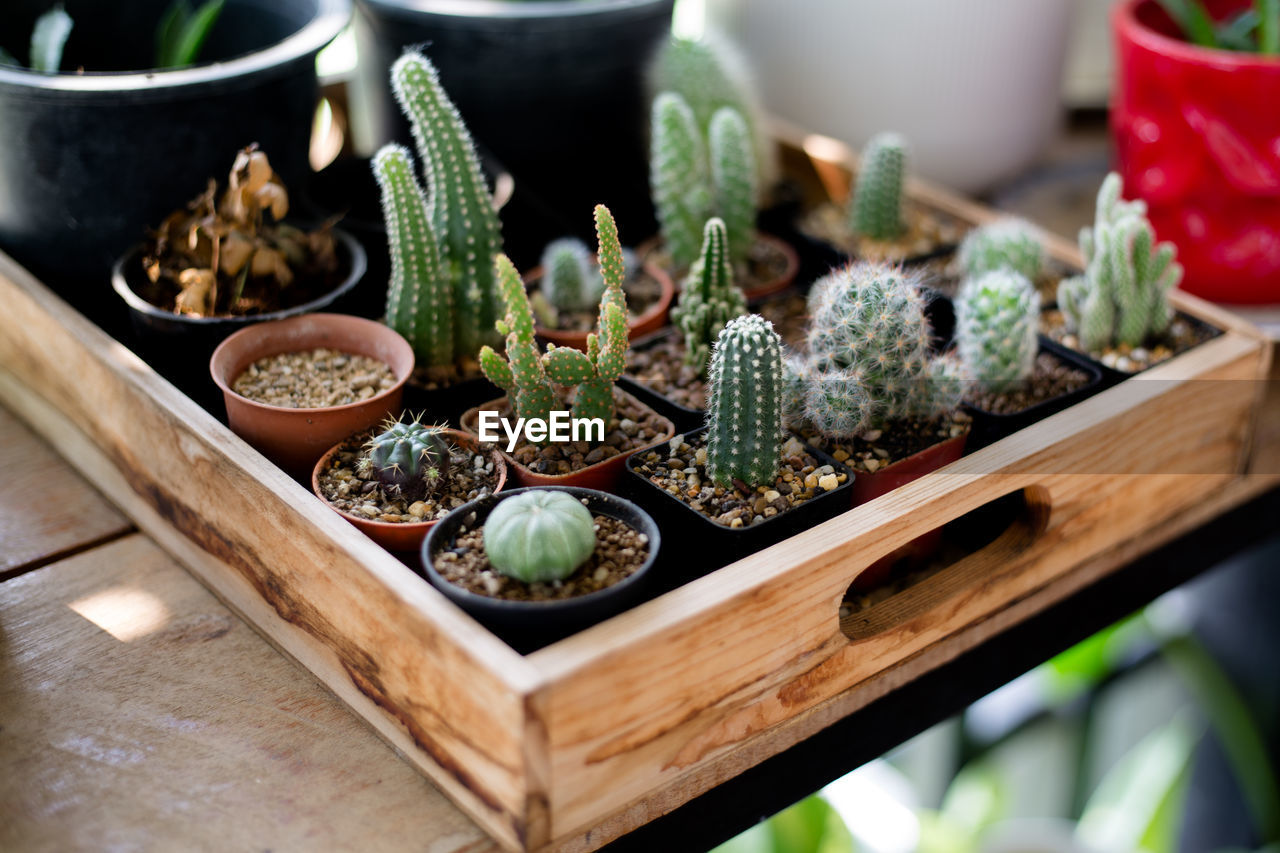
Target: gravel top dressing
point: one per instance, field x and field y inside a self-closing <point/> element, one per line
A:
<point x="1050" y="378"/>
<point x="313" y="379"/>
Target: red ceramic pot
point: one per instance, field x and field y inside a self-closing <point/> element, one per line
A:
<point x="1197" y="134"/>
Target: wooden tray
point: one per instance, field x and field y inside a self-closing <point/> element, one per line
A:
<point x="582" y="741"/>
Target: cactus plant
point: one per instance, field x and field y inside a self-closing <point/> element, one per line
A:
<point x="876" y="211"/>
<point x="570" y="281"/>
<point x="458" y="201"/>
<point x="744" y="409"/>
<point x="409" y="459"/>
<point x="1009" y="243"/>
<point x="1122" y="298"/>
<point x="520" y="374"/>
<point x="709" y="299"/>
<point x="733" y="180"/>
<point x="539" y="536"/>
<point x="996" y="317"/>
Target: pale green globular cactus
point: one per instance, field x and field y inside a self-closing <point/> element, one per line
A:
<point x="734" y="188"/>
<point x="1123" y="296"/>
<point x="1009" y="243"/>
<point x="570" y="279"/>
<point x="744" y="408"/>
<point x="419" y="297"/>
<point x="539" y="536"/>
<point x="678" y="177"/>
<point x="709" y="299"/>
<point x="593" y="372"/>
<point x="411" y="460"/>
<point x="520" y="374"/>
<point x="466" y="226"/>
<point x="876" y="210"/>
<point x="996" y="318"/>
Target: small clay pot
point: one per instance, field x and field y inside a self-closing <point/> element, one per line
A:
<point x="777" y="284"/>
<point x="402" y="536"/>
<point x="295" y="438"/>
<point x="653" y="318"/>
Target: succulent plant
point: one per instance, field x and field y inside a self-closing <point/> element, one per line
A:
<point x="458" y="201"/>
<point x="876" y="211"/>
<point x="709" y="299"/>
<point x="520" y="373"/>
<point x="733" y="180"/>
<point x="1008" y="243"/>
<point x="744" y="407"/>
<point x="1122" y="298"/>
<point x="570" y="279"/>
<point x="539" y="536"/>
<point x="411" y="460"/>
<point x="996" y="318"/>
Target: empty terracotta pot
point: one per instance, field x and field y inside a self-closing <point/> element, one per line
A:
<point x="295" y="438"/>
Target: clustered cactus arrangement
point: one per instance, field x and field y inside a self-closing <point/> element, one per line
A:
<point x="520" y="374"/>
<point x="411" y="460"/>
<point x="539" y="536"/>
<point x="445" y="238"/>
<point x="1122" y="298"/>
<point x="996" y="318"/>
<point x="710" y="299"/>
<point x="1009" y="244"/>
<point x="744" y="413"/>
<point x="876" y="209"/>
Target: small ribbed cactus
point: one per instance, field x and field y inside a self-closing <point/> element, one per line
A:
<point x="520" y="374"/>
<point x="458" y="200"/>
<point x="539" y="536"/>
<point x="411" y="460"/>
<point x="996" y="318"/>
<point x="1123" y="296"/>
<point x="733" y="180"/>
<point x="678" y="176"/>
<point x="744" y="409"/>
<point x="419" y="296"/>
<point x="1009" y="243"/>
<point x="593" y="372"/>
<point x="710" y="299"/>
<point x="876" y="211"/>
<point x="570" y="279"/>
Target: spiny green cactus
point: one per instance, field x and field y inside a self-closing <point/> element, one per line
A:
<point x="996" y="317"/>
<point x="419" y="298"/>
<point x="709" y="299"/>
<point x="539" y="536"/>
<point x="520" y="374"/>
<point x="1123" y="296"/>
<point x="744" y="408"/>
<point x="411" y="460"/>
<point x="876" y="211"/>
<point x="678" y="177"/>
<point x="733" y="180"/>
<point x="1009" y="243"/>
<point x="570" y="280"/>
<point x="594" y="372"/>
<point x="458" y="200"/>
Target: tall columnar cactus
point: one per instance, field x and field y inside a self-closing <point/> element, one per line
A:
<point x="411" y="460"/>
<point x="520" y="374"/>
<point x="1009" y="243"/>
<point x="570" y="280"/>
<point x="595" y="371"/>
<point x="419" y="297"/>
<point x="733" y="179"/>
<point x="678" y="177"/>
<point x="1123" y="296"/>
<point x="458" y="200"/>
<point x="744" y="410"/>
<point x="710" y="299"/>
<point x="996" y="317"/>
<point x="876" y="211"/>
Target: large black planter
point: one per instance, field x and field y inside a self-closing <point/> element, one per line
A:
<point x="554" y="90"/>
<point x="88" y="160"/>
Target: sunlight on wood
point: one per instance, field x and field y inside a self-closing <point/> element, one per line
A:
<point x="123" y="612"/>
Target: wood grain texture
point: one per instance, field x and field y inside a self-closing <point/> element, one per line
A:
<point x="139" y="713"/>
<point x="46" y="508"/>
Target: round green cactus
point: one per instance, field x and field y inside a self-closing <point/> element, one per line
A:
<point x="1010" y="244"/>
<point x="996" y="318"/>
<point x="541" y="535"/>
<point x="409" y="459"/>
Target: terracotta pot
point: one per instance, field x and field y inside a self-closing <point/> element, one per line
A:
<point x="654" y="317"/>
<point x="404" y="536"/>
<point x="774" y="285"/>
<point x="603" y="476"/>
<point x="867" y="487"/>
<point x="295" y="438"/>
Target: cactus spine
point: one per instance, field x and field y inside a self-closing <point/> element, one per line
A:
<point x="419" y="298"/>
<point x="520" y="374"/>
<point x="409" y="459"/>
<point x="458" y="200"/>
<point x="733" y="180"/>
<point x="876" y="211"/>
<point x="744" y="411"/>
<point x="570" y="280"/>
<point x="709" y="299"/>
<point x="996" y="317"/>
<point x="1122" y="298"/>
<point x="1009" y="243"/>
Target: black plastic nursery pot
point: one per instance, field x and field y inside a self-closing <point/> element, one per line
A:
<point x="451" y="401"/>
<point x="706" y="545"/>
<point x="529" y="624"/>
<point x="554" y="90"/>
<point x="683" y="417"/>
<point x="88" y="160"/>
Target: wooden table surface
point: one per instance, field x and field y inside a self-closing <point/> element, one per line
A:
<point x="137" y="712"/>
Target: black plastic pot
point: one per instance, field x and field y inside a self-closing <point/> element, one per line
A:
<point x="705" y="545"/>
<point x="529" y="624"/>
<point x="683" y="417"/>
<point x="347" y="188"/>
<point x="86" y="160"/>
<point x="179" y="346"/>
<point x="554" y="90"/>
<point x="448" y="403"/>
